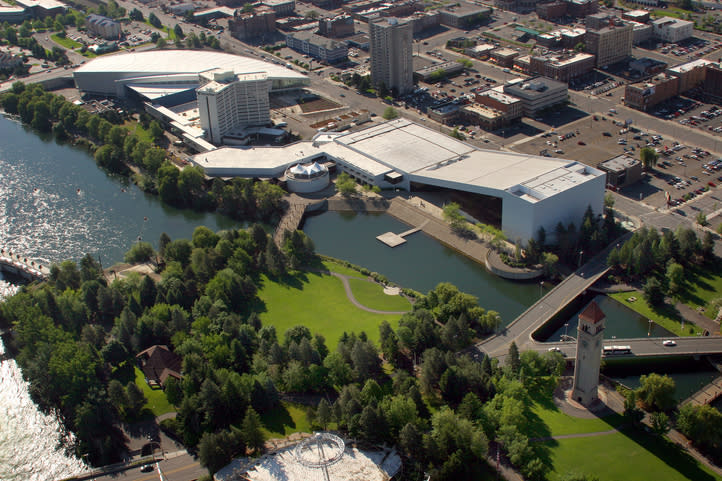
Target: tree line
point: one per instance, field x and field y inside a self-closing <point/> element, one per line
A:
<point x="661" y="261"/>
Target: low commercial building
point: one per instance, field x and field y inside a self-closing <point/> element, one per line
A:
<point x="582" y="8"/>
<point x="12" y="14"/>
<point x="464" y="15"/>
<point x="562" y="67"/>
<point x="672" y="30"/>
<point x="538" y="93"/>
<point x="440" y="70"/>
<point x="523" y="64"/>
<point x="610" y="44"/>
<point x="254" y="25"/>
<point x="511" y="107"/>
<point x="485" y="117"/>
<point x="213" y="13"/>
<point x="645" y="95"/>
<point x="529" y="191"/>
<point x="691" y="74"/>
<point x="42" y="8"/>
<point x="282" y="8"/>
<point x="641" y="16"/>
<point x="522" y="6"/>
<point x="104" y="27"/>
<point x="336" y="27"/>
<point x="646" y="66"/>
<point x="621" y="171"/>
<point x="480" y="51"/>
<point x="321" y="48"/>
<point x="504" y="56"/>
<point x="444" y="114"/>
<point x="229" y="101"/>
<point x="551" y="10"/>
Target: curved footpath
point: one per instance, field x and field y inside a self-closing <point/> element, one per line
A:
<point x="349" y="293"/>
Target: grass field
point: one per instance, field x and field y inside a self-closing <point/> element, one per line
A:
<point x="319" y="302"/>
<point x="157" y="402"/>
<point x="667" y="317"/>
<point x="65" y="42"/>
<point x="628" y="454"/>
<point x="701" y="287"/>
<point x="287" y="418"/>
<point x="367" y="293"/>
<point x="137" y="129"/>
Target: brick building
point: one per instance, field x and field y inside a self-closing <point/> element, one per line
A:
<point x="253" y="25"/>
<point x="645" y="95"/>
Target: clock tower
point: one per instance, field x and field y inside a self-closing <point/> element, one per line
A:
<point x="590" y="334"/>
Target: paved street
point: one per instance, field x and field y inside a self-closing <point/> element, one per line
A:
<point x="181" y="467"/>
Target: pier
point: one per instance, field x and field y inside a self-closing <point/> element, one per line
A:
<point x="21" y="266"/>
<point x="393" y="240"/>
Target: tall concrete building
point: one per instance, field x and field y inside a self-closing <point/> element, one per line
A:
<point x="229" y="101"/>
<point x="590" y="335"/>
<point x="611" y="43"/>
<point x="391" y="54"/>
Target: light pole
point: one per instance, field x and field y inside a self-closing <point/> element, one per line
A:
<point x="649" y="331"/>
<point x="581" y="253"/>
<point x="541" y="286"/>
<point x="566" y="328"/>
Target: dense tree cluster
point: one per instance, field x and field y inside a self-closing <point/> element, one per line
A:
<point x="703" y="426"/>
<point x="661" y="260"/>
<point x="22" y="37"/>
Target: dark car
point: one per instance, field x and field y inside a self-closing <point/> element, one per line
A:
<point x="146" y="468"/>
<point x="606" y="134"/>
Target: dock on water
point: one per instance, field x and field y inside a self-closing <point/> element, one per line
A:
<point x="394" y="240"/>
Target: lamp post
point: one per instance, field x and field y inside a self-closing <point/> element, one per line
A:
<point x="566" y="328"/>
<point x="581" y="253"/>
<point x="541" y="286"/>
<point x="649" y="331"/>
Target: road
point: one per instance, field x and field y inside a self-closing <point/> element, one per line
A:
<point x="643" y="347"/>
<point x="179" y="468"/>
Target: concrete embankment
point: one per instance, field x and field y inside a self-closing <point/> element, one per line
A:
<point x="20" y="266"/>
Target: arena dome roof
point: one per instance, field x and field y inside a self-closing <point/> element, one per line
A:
<point x="103" y="74"/>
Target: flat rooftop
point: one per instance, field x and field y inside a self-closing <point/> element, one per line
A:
<point x="686" y="67"/>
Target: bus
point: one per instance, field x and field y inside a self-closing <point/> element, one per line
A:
<point x="612" y="350"/>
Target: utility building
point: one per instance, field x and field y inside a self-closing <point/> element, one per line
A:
<point x="229" y="101"/>
<point x="391" y="54"/>
<point x="590" y="335"/>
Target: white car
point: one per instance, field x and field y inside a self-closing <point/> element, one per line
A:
<point x="554" y="349"/>
<point x="669" y="343"/>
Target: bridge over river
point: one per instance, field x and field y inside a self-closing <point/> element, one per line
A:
<point x="521" y="329"/>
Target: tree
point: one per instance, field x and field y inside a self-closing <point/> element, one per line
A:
<point x="675" y="277"/>
<point x="345" y="184"/>
<point x="139" y="252"/>
<point x="452" y="215"/>
<point x="154" y="20"/>
<point x="579" y="47"/>
<point x="660" y="423"/>
<point x="652" y="292"/>
<point x="649" y="157"/>
<point x="178" y="31"/>
<point x="251" y="431"/>
<point x="216" y="450"/>
<point x="702" y="219"/>
<point x="136" y="15"/>
<point x="312" y="14"/>
<point x="457" y="135"/>
<point x="323" y="413"/>
<point x="513" y="359"/>
<point x="390" y="113"/>
<point x="656" y="392"/>
<point x="136" y="399"/>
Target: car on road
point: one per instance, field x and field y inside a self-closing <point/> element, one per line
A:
<point x="581" y="142"/>
<point x="146" y="468"/>
<point x="669" y="343"/>
<point x="554" y="349"/>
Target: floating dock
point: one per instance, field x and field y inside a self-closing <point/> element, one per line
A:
<point x="394" y="240"/>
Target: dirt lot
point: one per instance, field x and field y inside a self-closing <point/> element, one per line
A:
<point x="317" y="105"/>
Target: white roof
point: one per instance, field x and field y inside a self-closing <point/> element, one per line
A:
<point x="158" y="62"/>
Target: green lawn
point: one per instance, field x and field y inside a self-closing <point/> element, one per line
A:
<point x="319" y="302"/>
<point x="341" y="269"/>
<point x="137" y="129"/>
<point x="702" y="286"/>
<point x="157" y="402"/>
<point x="667" y="317"/>
<point x="372" y="296"/>
<point x="287" y="418"/>
<point x="65" y="42"/>
<point x="628" y="455"/>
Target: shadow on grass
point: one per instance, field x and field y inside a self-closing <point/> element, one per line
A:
<point x="670" y="453"/>
<point x="277" y="419"/>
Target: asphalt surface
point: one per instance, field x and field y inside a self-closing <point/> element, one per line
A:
<point x="182" y="467"/>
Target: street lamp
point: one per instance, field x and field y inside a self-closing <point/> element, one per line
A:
<point x="541" y="286"/>
<point x="580" y="259"/>
<point x="566" y="328"/>
<point x="649" y="331"/>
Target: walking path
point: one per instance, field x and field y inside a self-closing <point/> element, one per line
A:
<point x="349" y="293"/>
<point x="707" y="394"/>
